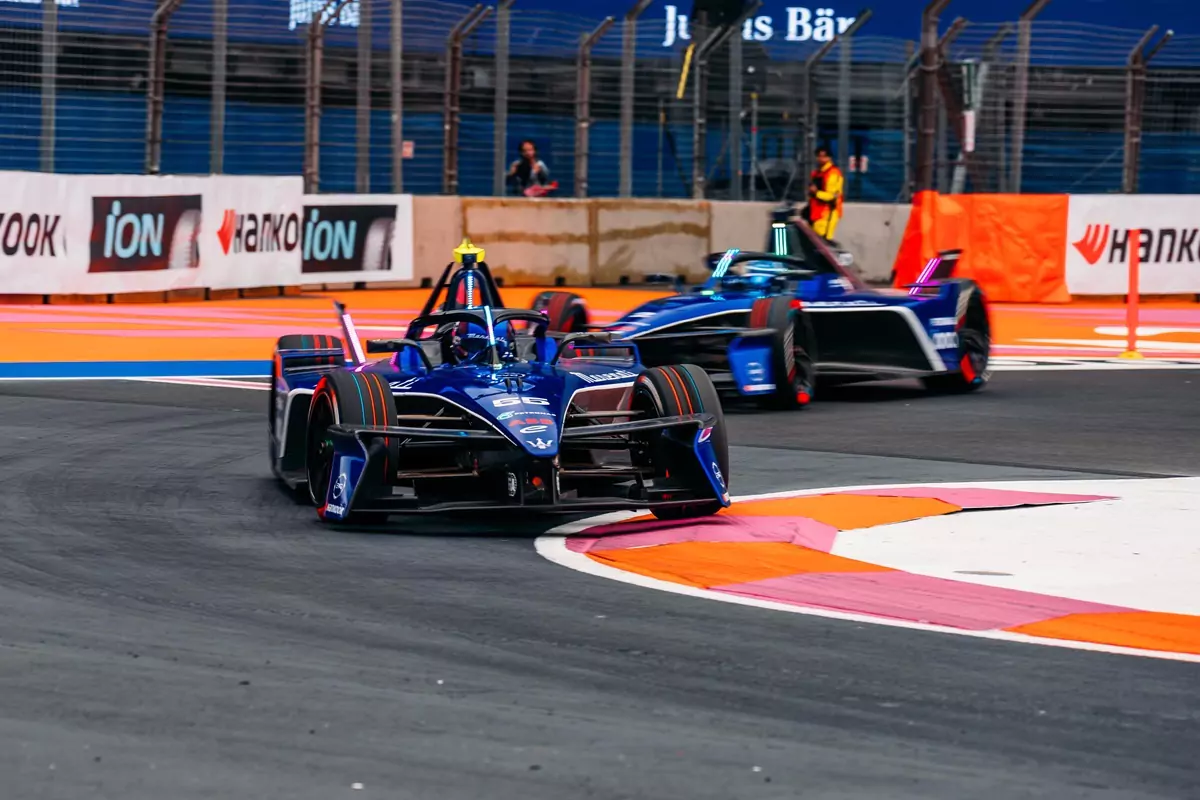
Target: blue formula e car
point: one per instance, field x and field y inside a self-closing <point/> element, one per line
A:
<point x="769" y="325"/>
<point x="488" y="412"/>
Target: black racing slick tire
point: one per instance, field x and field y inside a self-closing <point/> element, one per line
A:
<point x="682" y="390"/>
<point x="353" y="399"/>
<point x="566" y="311"/>
<point x="793" y="351"/>
<point x="974" y="345"/>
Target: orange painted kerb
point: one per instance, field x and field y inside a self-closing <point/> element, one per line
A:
<point x="710" y="565"/>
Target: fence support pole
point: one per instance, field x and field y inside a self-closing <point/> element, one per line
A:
<point x="845" y="55"/>
<point x="1021" y="90"/>
<point x="583" y="104"/>
<point x="753" y="146"/>
<point x="628" y="87"/>
<point x="451" y="108"/>
<point x="927" y="120"/>
<point x="156" y="77"/>
<point x="500" y="111"/>
<point x="362" y="161"/>
<point x="314" y="55"/>
<point x="906" y="192"/>
<point x="1135" y="100"/>
<point x="811" y="107"/>
<point x="735" y="115"/>
<point x="950" y="109"/>
<point x="49" y="83"/>
<point x="662" y="135"/>
<point x="216" y="120"/>
<point x="397" y="90"/>
<point x="708" y="45"/>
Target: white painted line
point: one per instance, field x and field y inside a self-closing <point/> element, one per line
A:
<point x="552" y="546"/>
<point x="216" y="383"/>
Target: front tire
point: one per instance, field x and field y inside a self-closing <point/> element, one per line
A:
<point x="681" y="391"/>
<point x="793" y="351"/>
<point x="354" y="399"/>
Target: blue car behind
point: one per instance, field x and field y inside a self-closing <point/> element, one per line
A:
<point x="770" y="325"/>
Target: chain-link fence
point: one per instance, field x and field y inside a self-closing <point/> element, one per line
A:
<point x="618" y="107"/>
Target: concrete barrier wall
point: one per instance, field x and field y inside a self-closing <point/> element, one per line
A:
<point x="602" y="241"/>
<point x="872" y="232"/>
<point x="635" y="238"/>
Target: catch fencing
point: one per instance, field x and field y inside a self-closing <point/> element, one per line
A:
<point x="431" y="96"/>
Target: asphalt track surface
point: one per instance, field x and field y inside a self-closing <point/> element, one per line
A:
<point x="175" y="626"/>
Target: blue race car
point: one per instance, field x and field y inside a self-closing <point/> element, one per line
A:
<point x="770" y="325"/>
<point x="487" y="412"/>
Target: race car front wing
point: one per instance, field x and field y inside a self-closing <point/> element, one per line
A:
<point x="515" y="479"/>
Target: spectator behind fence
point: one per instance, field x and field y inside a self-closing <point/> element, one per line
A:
<point x="528" y="171"/>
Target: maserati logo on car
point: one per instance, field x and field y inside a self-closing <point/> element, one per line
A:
<point x="339" y="486"/>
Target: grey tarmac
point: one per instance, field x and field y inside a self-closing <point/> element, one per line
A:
<point x="175" y="626"/>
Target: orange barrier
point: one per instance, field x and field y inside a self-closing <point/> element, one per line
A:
<point x="1014" y="246"/>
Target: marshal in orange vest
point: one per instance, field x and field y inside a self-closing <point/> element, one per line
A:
<point x="825" y="195"/>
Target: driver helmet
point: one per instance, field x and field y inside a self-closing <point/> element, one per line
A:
<point x="470" y="342"/>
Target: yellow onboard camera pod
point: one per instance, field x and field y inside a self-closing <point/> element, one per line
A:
<point x="467" y="253"/>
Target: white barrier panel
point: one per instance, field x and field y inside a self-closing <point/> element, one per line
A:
<point x="357" y="237"/>
<point x="1098" y="243"/>
<point x="111" y="234"/>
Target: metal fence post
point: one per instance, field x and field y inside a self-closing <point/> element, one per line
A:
<point x="156" y="77"/>
<point x="583" y="110"/>
<point x="913" y="57"/>
<point x="362" y="164"/>
<point x="314" y="54"/>
<point x="628" y="66"/>
<point x="397" y="88"/>
<point x="845" y="54"/>
<point x="735" y="115"/>
<point x="216" y="140"/>
<point x="753" y="146"/>
<point x="1021" y="93"/>
<point x="451" y="109"/>
<point x="928" y="94"/>
<point x="1135" y="100"/>
<point x="811" y="107"/>
<point x="49" y="83"/>
<point x="708" y="44"/>
<point x="701" y="37"/>
<point x="500" y="111"/>
<point x="949" y="104"/>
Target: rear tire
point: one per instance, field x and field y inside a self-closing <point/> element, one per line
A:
<point x="680" y="391"/>
<point x="566" y="311"/>
<point x="355" y="399"/>
<point x="276" y="402"/>
<point x="974" y="347"/>
<point x="793" y="351"/>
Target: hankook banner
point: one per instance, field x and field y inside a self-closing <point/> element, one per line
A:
<point x="1100" y="242"/>
<point x="111" y="234"/>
